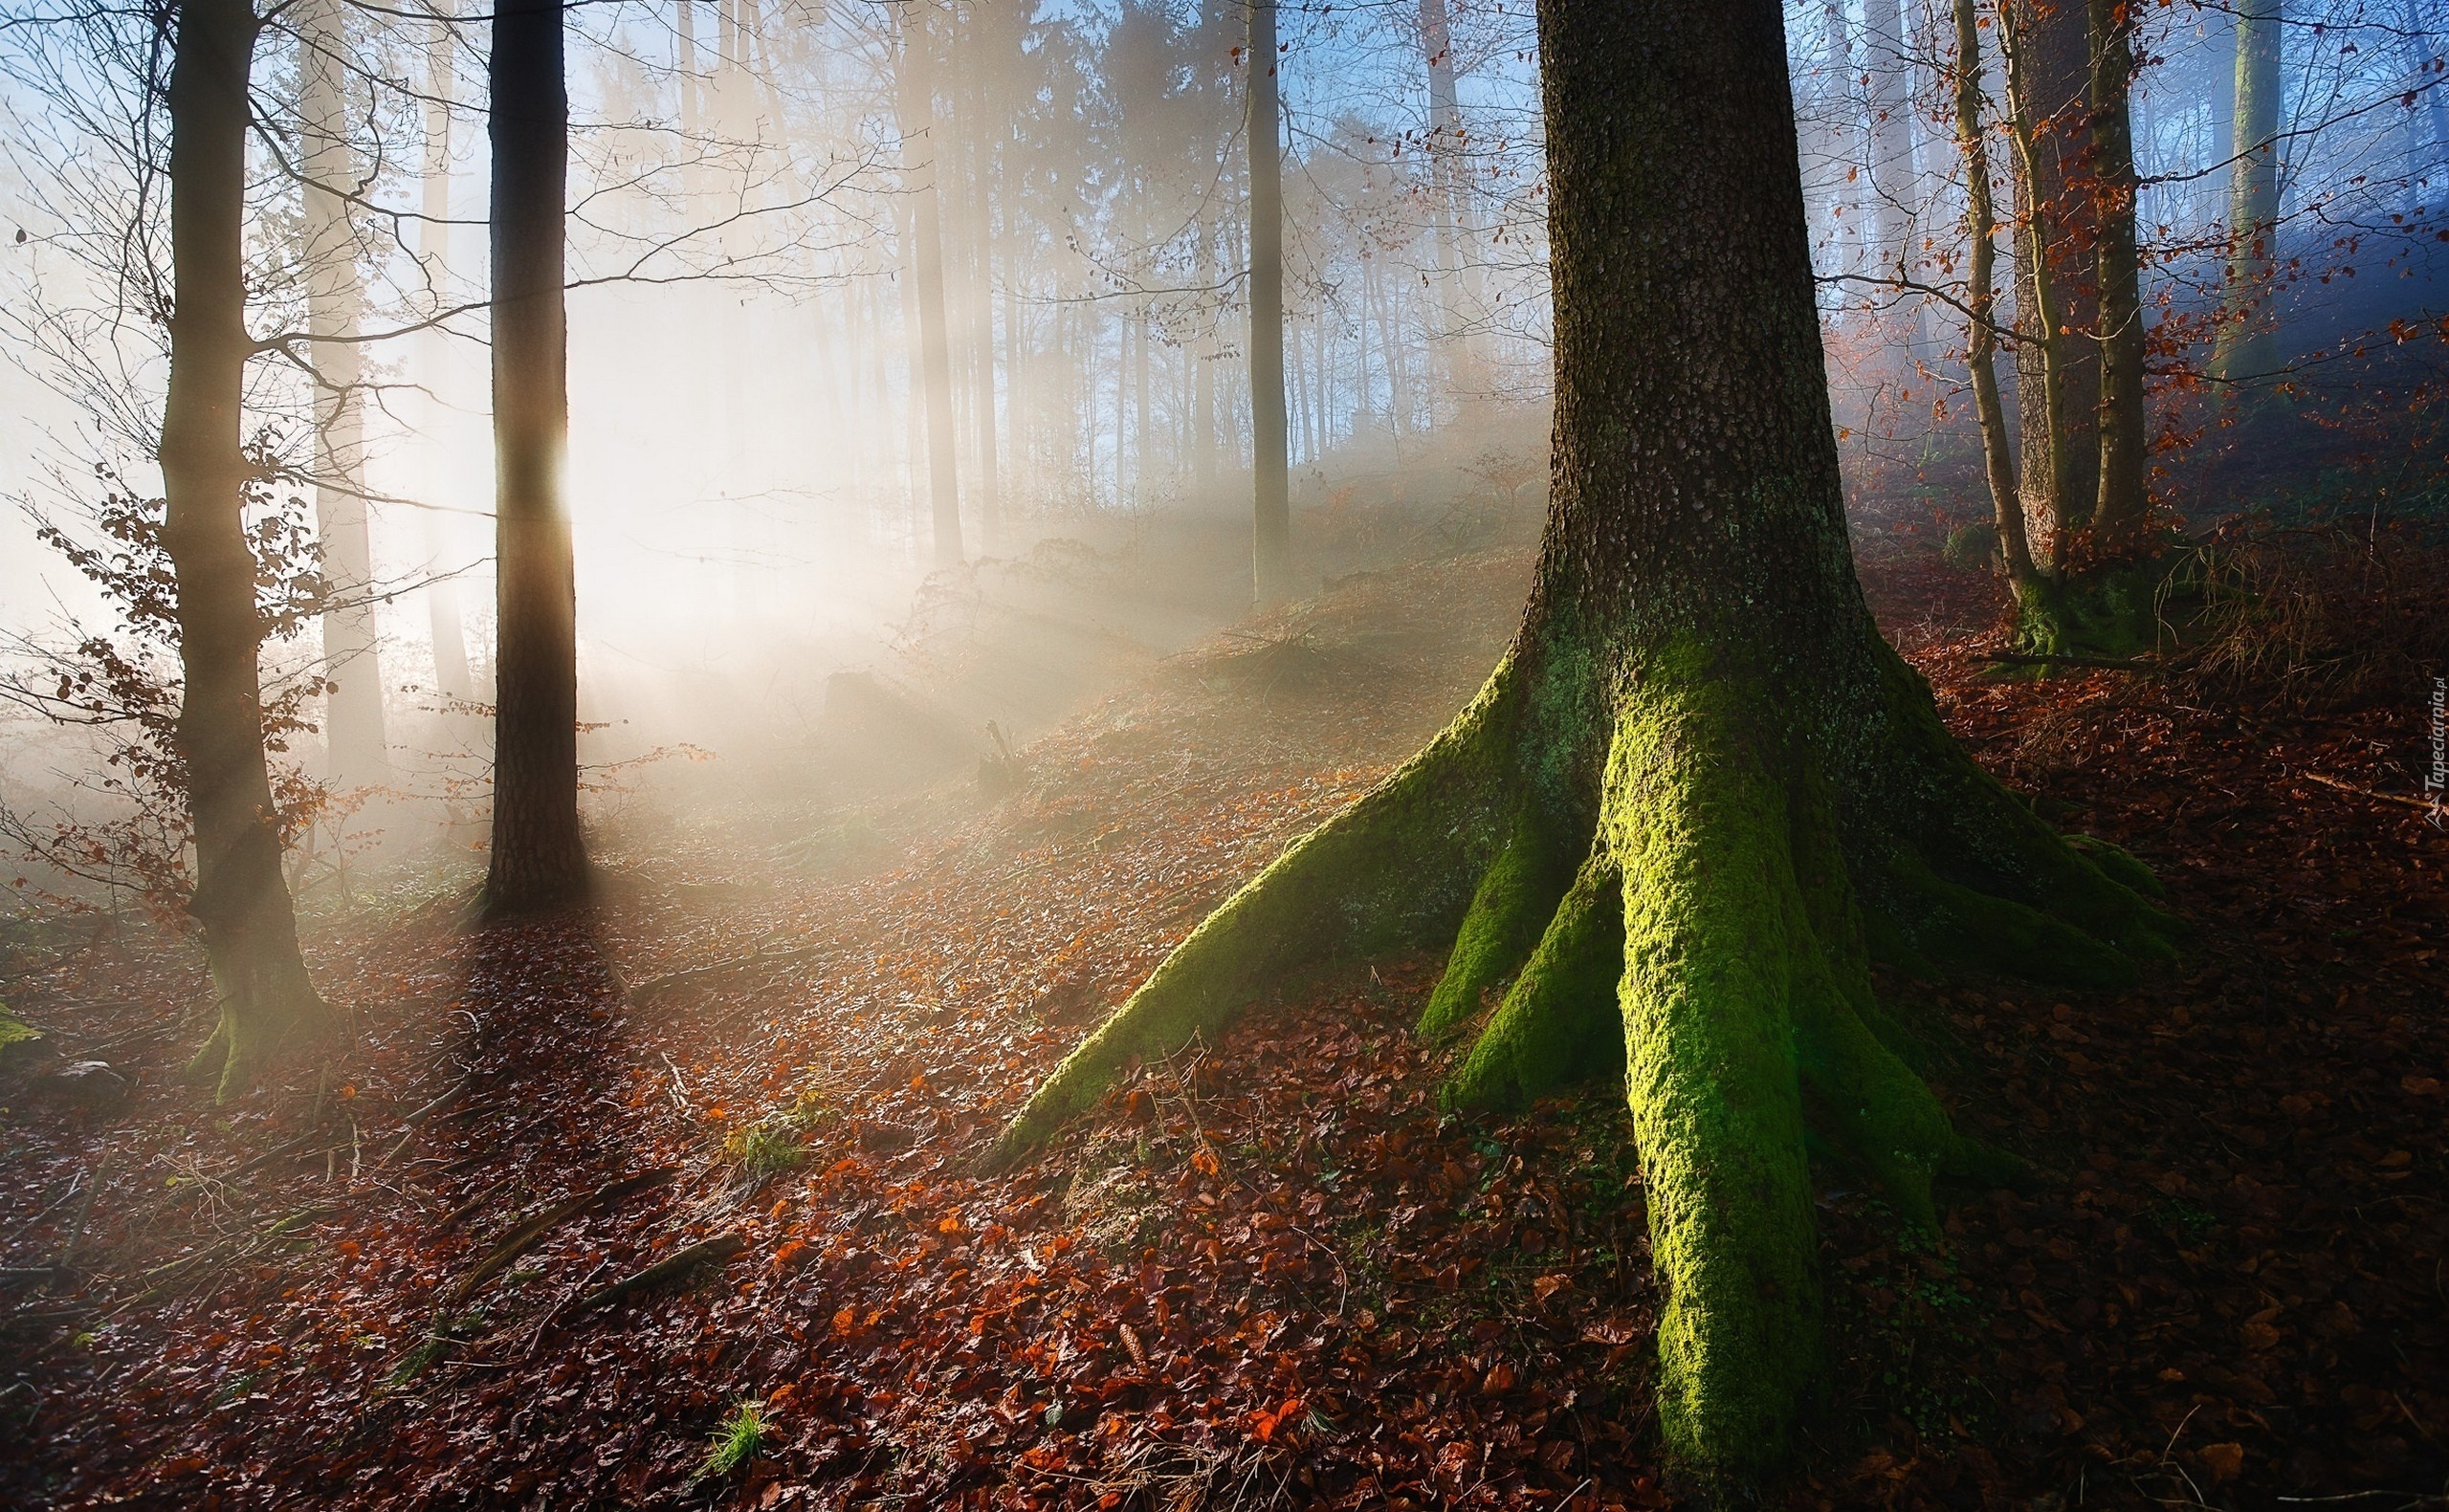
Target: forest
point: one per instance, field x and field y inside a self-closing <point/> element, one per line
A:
<point x="1223" y="754"/>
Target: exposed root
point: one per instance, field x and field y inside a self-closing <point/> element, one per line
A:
<point x="1507" y="918"/>
<point x="263" y="1005"/>
<point x="1394" y="869"/>
<point x="1713" y="948"/>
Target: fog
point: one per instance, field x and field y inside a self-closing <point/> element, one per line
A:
<point x="748" y="471"/>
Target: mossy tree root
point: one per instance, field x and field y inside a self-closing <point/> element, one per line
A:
<point x="1736" y="868"/>
<point x="263" y="1003"/>
<point x="1394" y="869"/>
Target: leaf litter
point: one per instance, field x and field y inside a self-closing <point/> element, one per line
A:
<point x="595" y="1203"/>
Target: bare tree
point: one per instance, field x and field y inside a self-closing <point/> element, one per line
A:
<point x="241" y="900"/>
<point x="1271" y="535"/>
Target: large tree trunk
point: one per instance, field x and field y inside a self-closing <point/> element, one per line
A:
<point x="240" y="902"/>
<point x="921" y="154"/>
<point x="1271" y="533"/>
<point x="539" y="856"/>
<point x="354" y="736"/>
<point x="1700" y="791"/>
<point x="2246" y="346"/>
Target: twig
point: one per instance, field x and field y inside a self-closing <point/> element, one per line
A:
<point x="451" y="1218"/>
<point x="655" y="987"/>
<point x="270" y="1155"/>
<point x="708" y="1252"/>
<point x="84" y="1210"/>
<point x="527" y="1235"/>
<point x="2420" y="805"/>
<point x="455" y="1089"/>
<point x="50" y="1208"/>
<point x="2111" y="663"/>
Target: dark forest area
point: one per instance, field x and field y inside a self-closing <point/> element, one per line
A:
<point x="1210" y="754"/>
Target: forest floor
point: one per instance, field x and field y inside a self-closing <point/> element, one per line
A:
<point x="1267" y="1272"/>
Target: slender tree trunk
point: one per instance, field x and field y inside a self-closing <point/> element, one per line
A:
<point x="915" y="94"/>
<point x="1852" y="236"/>
<point x="1018" y="361"/>
<point x="1143" y="434"/>
<point x="241" y="903"/>
<point x="2417" y="38"/>
<point x="1466" y="375"/>
<point x="982" y="262"/>
<point x="351" y="662"/>
<point x="1891" y="134"/>
<point x="2122" y="499"/>
<point x="1122" y="411"/>
<point x="1203" y="403"/>
<point x="1699" y="791"/>
<point x="434" y="252"/>
<point x="1982" y="342"/>
<point x="538" y="855"/>
<point x="1271" y="535"/>
<point x="2247" y="346"/>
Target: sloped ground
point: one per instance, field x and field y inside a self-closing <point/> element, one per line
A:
<point x="1268" y="1272"/>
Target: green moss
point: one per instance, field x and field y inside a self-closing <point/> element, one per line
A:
<point x="1395" y="871"/>
<point x="2118" y="864"/>
<point x="262" y="1005"/>
<point x="2114" y="611"/>
<point x="1508" y="914"/>
<point x="1712" y="928"/>
<point x="1559" y="1022"/>
<point x="1749" y="849"/>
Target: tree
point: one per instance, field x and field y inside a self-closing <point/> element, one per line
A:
<point x="2046" y="48"/>
<point x="240" y="902"/>
<point x="1466" y="374"/>
<point x="327" y="159"/>
<point x="1699" y="792"/>
<point x="1894" y="189"/>
<point x="915" y="97"/>
<point x="451" y="677"/>
<point x="2246" y="347"/>
<point x="1980" y="301"/>
<point x="538" y="855"/>
<point x="2079" y="359"/>
<point x="1271" y="461"/>
<point x="2121" y="499"/>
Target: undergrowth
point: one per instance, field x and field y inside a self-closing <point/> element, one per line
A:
<point x="736" y="1441"/>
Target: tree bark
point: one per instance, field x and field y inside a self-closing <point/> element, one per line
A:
<point x="434" y="252"/>
<point x="1271" y="484"/>
<point x="2122" y="500"/>
<point x="1699" y="792"/>
<point x="539" y="854"/>
<point x="1891" y="108"/>
<point x="915" y="97"/>
<point x="240" y="902"/>
<point x="2047" y="44"/>
<point x="1981" y="341"/>
<point x="352" y="663"/>
<point x="1851" y="236"/>
<point x="2247" y="346"/>
<point x="1466" y="372"/>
